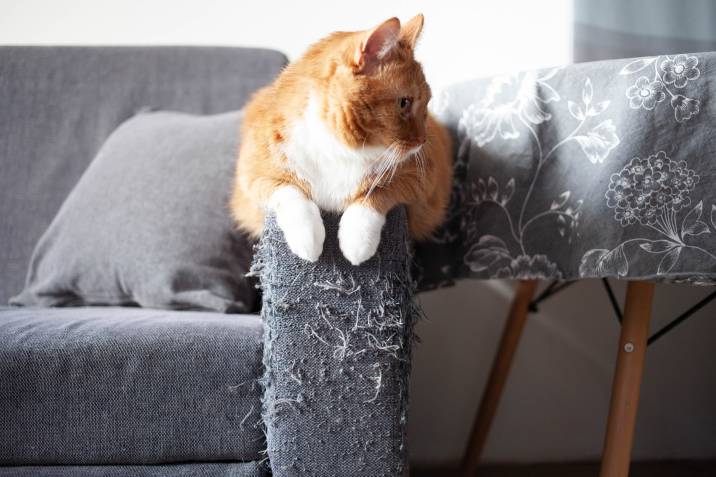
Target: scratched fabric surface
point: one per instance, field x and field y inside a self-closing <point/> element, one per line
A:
<point x="337" y="351"/>
<point x="604" y="169"/>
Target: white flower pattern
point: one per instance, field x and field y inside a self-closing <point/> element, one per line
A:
<point x="516" y="225"/>
<point x="598" y="143"/>
<point x="680" y="70"/>
<point x="684" y="107"/>
<point x="522" y="105"/>
<point x="651" y="192"/>
<point x="509" y="99"/>
<point x="645" y="93"/>
<point x="669" y="72"/>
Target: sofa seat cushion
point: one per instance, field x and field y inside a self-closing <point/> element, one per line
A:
<point x="99" y="386"/>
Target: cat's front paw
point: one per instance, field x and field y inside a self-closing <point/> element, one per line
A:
<point x="300" y="220"/>
<point x="359" y="233"/>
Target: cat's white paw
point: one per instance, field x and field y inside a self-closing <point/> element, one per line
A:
<point x="300" y="220"/>
<point x="359" y="233"/>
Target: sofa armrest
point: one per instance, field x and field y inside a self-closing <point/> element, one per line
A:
<point x="337" y="347"/>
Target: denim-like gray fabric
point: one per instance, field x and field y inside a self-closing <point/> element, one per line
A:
<point x="591" y="170"/>
<point x="337" y="355"/>
<point x="148" y="223"/>
<point x="59" y="104"/>
<point x="100" y="385"/>
<point x="248" y="469"/>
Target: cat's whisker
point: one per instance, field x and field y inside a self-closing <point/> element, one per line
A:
<point x="388" y="170"/>
<point x="382" y="169"/>
<point x="398" y="159"/>
<point x="395" y="155"/>
<point x="376" y="182"/>
<point x="420" y="162"/>
<point x="393" y="167"/>
<point x="388" y="161"/>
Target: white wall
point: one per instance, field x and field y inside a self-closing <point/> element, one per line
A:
<point x="472" y="38"/>
<point x="556" y="400"/>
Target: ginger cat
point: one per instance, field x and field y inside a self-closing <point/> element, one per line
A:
<point x="345" y="128"/>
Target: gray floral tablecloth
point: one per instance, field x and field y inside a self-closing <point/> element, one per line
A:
<point x="604" y="169"/>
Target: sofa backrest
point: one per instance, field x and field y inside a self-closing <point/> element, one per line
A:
<point x="58" y="104"/>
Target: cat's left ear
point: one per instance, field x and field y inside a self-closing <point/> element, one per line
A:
<point x="411" y="30"/>
<point x="376" y="45"/>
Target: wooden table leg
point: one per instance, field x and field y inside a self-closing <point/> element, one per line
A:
<point x="627" y="380"/>
<point x="498" y="375"/>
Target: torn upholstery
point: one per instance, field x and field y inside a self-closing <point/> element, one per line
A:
<point x="337" y="356"/>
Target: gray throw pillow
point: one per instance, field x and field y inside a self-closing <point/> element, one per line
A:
<point x="148" y="223"/>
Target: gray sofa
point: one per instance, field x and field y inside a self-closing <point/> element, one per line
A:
<point x="146" y="392"/>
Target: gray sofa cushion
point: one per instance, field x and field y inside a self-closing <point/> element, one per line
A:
<point x="148" y="223"/>
<point x="59" y="104"/>
<point x="100" y="386"/>
<point x="248" y="469"/>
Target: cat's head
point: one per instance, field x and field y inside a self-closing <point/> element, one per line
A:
<point x="381" y="88"/>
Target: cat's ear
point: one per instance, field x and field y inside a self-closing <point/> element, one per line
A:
<point x="376" y="45"/>
<point x="411" y="30"/>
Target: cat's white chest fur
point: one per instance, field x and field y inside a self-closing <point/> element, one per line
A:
<point x="333" y="170"/>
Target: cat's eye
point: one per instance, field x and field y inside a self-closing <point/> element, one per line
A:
<point x="405" y="102"/>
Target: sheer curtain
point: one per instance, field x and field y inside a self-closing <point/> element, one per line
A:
<point x="624" y="28"/>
